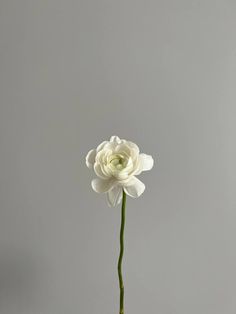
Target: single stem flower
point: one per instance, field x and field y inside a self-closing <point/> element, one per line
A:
<point x="117" y="163"/>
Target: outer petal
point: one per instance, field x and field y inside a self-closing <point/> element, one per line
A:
<point x="100" y="146"/>
<point x="98" y="170"/>
<point x="146" y="162"/>
<point x="114" y="196"/>
<point x="90" y="158"/>
<point x="101" y="186"/>
<point x="134" y="187"/>
<point x="115" y="139"/>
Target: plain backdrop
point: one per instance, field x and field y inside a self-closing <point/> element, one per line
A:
<point x="161" y="73"/>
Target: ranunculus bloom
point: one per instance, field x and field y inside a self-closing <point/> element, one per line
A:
<point x="116" y="163"/>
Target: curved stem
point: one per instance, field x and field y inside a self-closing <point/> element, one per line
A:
<point x="121" y="253"/>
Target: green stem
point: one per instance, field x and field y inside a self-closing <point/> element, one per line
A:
<point x="121" y="253"/>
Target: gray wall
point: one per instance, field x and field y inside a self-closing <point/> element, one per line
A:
<point x="161" y="73"/>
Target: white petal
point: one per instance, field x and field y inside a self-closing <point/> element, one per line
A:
<point x="146" y="162"/>
<point x="133" y="146"/>
<point x="100" y="146"/>
<point x="115" y="139"/>
<point x="134" y="187"/>
<point x="90" y="158"/>
<point x="101" y="185"/>
<point x="98" y="170"/>
<point x="114" y="196"/>
<point x="129" y="148"/>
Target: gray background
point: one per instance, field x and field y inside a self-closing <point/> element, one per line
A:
<point x="160" y="73"/>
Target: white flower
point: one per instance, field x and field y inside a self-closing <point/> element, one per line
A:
<point x="116" y="164"/>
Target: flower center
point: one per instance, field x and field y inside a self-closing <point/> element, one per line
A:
<point x="118" y="161"/>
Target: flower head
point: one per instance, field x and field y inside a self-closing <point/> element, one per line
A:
<point x="116" y="164"/>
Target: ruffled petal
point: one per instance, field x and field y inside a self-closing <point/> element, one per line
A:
<point x="134" y="187"/>
<point x="128" y="149"/>
<point x="133" y="146"/>
<point x="146" y="162"/>
<point x="99" y="171"/>
<point x="114" y="196"/>
<point x="101" y="186"/>
<point x="90" y="158"/>
<point x="115" y="139"/>
<point x="100" y="146"/>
